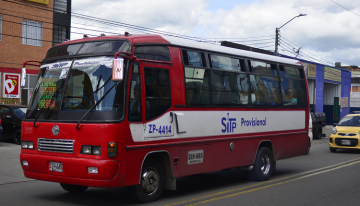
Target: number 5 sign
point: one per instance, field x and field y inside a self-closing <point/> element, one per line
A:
<point x="11" y="85"/>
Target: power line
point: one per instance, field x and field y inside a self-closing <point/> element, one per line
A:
<point x="345" y="8"/>
<point x="307" y="57"/>
<point x="138" y="28"/>
<point x="306" y="52"/>
<point x="255" y="40"/>
<point x="25" y="37"/>
<point x="238" y="38"/>
<point x="114" y="23"/>
<point x="266" y="46"/>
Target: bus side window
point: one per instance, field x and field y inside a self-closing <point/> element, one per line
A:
<point x="265" y="89"/>
<point x="294" y="92"/>
<point x="157" y="87"/>
<point x="135" y="95"/>
<point x="262" y="68"/>
<point x="192" y="58"/>
<point x="197" y="86"/>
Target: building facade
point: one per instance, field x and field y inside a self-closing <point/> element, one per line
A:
<point x="28" y="28"/>
<point x="355" y="87"/>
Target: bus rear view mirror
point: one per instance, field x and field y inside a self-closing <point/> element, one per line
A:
<point x="118" y="69"/>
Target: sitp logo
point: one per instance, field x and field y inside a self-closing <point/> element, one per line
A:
<point x="229" y="124"/>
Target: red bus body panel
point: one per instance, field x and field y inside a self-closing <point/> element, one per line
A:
<point x="124" y="169"/>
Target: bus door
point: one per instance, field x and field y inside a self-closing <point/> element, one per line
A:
<point x="150" y="83"/>
<point x="157" y="102"/>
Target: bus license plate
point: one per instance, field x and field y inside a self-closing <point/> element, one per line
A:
<point x="55" y="167"/>
<point x="195" y="157"/>
<point x="345" y="142"/>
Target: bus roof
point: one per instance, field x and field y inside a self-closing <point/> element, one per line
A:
<point x="142" y="39"/>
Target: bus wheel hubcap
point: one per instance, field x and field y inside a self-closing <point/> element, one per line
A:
<point x="265" y="164"/>
<point x="150" y="181"/>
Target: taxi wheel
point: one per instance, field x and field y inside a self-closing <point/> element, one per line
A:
<point x="264" y="165"/>
<point x="73" y="188"/>
<point x="17" y="137"/>
<point x="151" y="183"/>
<point x="332" y="149"/>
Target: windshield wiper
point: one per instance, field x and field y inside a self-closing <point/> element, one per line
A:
<point x="92" y="107"/>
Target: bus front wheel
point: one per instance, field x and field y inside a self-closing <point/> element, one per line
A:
<point x="73" y="188"/>
<point x="151" y="183"/>
<point x="264" y="165"/>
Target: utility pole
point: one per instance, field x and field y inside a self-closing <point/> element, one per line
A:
<point x="276" y="41"/>
<point x="277" y="33"/>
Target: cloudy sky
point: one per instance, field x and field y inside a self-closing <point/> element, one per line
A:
<point x="328" y="33"/>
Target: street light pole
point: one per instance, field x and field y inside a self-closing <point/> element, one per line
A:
<point x="277" y="33"/>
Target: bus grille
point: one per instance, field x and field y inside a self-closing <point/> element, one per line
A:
<point x="56" y="145"/>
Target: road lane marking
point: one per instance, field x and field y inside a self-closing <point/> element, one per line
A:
<point x="267" y="186"/>
<point x="291" y="178"/>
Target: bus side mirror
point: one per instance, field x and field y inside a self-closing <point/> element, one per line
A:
<point x="118" y="69"/>
<point x="23" y="77"/>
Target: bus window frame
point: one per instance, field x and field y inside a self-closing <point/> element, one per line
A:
<point x="151" y="64"/>
<point x="247" y="72"/>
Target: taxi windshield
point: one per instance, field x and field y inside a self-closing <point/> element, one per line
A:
<point x="66" y="90"/>
<point x="351" y="121"/>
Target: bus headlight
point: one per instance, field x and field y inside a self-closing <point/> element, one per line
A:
<point x="27" y="145"/>
<point x="96" y="150"/>
<point x="92" y="150"/>
<point x="334" y="130"/>
<point x="112" y="149"/>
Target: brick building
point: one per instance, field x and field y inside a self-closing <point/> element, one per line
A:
<point x="28" y="28"/>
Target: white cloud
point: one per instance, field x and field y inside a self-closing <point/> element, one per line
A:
<point x="328" y="30"/>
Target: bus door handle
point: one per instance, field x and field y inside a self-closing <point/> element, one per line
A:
<point x="172" y="117"/>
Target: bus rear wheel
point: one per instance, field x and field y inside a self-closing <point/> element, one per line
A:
<point x="151" y="183"/>
<point x="73" y="188"/>
<point x="264" y="165"/>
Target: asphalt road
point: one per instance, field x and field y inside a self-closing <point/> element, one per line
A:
<point x="320" y="178"/>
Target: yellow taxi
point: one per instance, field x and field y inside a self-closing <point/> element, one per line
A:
<point x="345" y="134"/>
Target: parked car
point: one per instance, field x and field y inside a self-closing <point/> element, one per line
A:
<point x="318" y="122"/>
<point x="345" y="134"/>
<point x="11" y="118"/>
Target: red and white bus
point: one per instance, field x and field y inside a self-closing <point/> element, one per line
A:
<point x="169" y="108"/>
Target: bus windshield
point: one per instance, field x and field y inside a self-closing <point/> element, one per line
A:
<point x="66" y="90"/>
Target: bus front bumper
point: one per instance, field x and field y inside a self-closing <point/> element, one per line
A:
<point x="75" y="170"/>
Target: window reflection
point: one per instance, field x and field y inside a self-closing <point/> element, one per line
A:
<point x="265" y="90"/>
